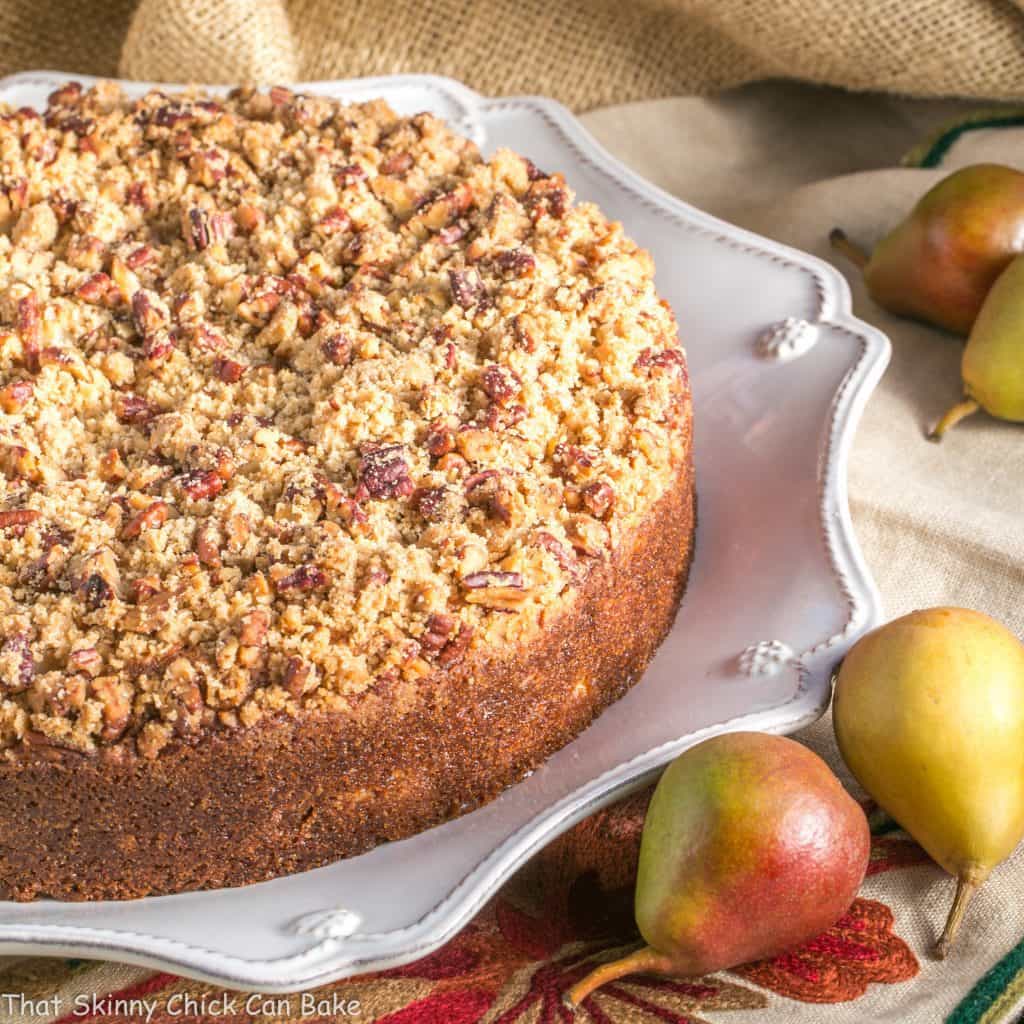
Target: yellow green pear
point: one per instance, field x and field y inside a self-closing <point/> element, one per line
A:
<point x="929" y="716"/>
<point x="993" y="361"/>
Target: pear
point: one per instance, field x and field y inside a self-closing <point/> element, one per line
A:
<point x="992" y="366"/>
<point x="750" y="847"/>
<point x="929" y="716"/>
<point x="938" y="264"/>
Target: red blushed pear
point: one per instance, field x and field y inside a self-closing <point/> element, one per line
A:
<point x="751" y="847"/>
<point x="939" y="263"/>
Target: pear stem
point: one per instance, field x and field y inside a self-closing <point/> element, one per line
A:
<point x="853" y="252"/>
<point x="952" y="417"/>
<point x="643" y="961"/>
<point x="966" y="886"/>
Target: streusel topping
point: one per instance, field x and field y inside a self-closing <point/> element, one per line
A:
<point x="299" y="402"/>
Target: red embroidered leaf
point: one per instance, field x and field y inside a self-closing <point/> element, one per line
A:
<point x="839" y="964"/>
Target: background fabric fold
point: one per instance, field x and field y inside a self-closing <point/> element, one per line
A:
<point x="586" y="53"/>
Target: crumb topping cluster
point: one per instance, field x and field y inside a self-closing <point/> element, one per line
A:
<point x="299" y="403"/>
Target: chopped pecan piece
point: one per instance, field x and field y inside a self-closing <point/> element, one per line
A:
<point x="64" y="360"/>
<point x="533" y="172"/>
<point x="133" y="409"/>
<point x="492" y="578"/>
<point x="17" y="668"/>
<point x="16" y="519"/>
<point x="139" y="257"/>
<point x="440" y="439"/>
<point x="518" y="262"/>
<point x="238" y="532"/>
<point x="116" y="697"/>
<point x="521" y="333"/>
<point x="112" y="468"/>
<point x="207" y="545"/>
<point x="95" y="591"/>
<point x="563" y="556"/>
<point x="499" y="417"/>
<point x="15" y="395"/>
<point x="200" y="484"/>
<point x="547" y="197"/>
<point x="429" y="502"/>
<point x="57" y="695"/>
<point x="337" y="348"/>
<point x="454" y="651"/>
<point x="171" y="114"/>
<point x="438" y="633"/>
<point x="99" y="289"/>
<point x="260" y="307"/>
<point x="139" y="194"/>
<point x="467" y="287"/>
<point x="597" y="498"/>
<point x="503" y="591"/>
<point x="87" y="660"/>
<point x="17" y="462"/>
<point x="152" y="517"/>
<point x="147" y="316"/>
<point x="486" y="490"/>
<point x="587" y="535"/>
<point x="334" y="222"/>
<point x="446" y="639"/>
<point x="500" y="384"/>
<point x="573" y="460"/>
<point x="196" y="228"/>
<point x="349" y="175"/>
<point x="229" y="370"/>
<point x="296" y="676"/>
<point x="383" y="472"/>
<point x="253" y="629"/>
<point x="158" y="346"/>
<point x="16" y="194"/>
<point x="207" y="166"/>
<point x="306" y="577"/>
<point x="452" y="233"/>
<point x="85" y="252"/>
<point x="206" y="339"/>
<point x="397" y="163"/>
<point x="149" y="614"/>
<point x="202" y="229"/>
<point x="665" y="359"/>
<point x="68" y="95"/>
<point x="30" y="329"/>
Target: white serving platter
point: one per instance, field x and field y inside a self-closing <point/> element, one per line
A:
<point x="778" y="591"/>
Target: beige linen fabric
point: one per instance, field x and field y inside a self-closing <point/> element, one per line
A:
<point x="583" y="52"/>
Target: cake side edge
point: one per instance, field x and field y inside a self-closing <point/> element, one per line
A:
<point x="294" y="794"/>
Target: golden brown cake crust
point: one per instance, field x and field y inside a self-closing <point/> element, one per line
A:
<point x="297" y="793"/>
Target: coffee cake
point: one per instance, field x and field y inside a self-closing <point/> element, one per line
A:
<point x="346" y="475"/>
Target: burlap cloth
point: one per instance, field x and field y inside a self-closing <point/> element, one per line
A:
<point x="939" y="524"/>
<point x="583" y="52"/>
